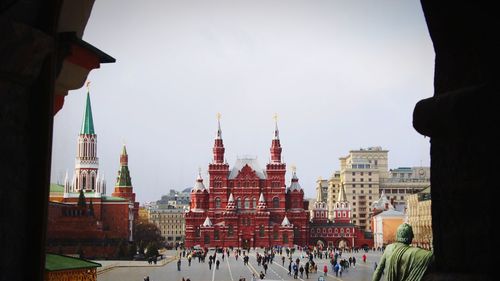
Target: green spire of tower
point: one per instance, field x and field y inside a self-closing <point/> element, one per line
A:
<point x="123" y="179"/>
<point x="88" y="122"/>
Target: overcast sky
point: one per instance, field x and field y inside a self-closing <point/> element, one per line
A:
<point x="341" y="75"/>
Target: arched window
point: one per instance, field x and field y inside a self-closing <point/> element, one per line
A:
<point x="275" y="234"/>
<point x="230" y="231"/>
<point x="261" y="231"/>
<point x="276" y="202"/>
<point x="93" y="181"/>
<point x="238" y="203"/>
<point x="84" y="181"/>
<point x="217" y="202"/>
<point x="207" y="239"/>
<point x="197" y="233"/>
<point x="216" y="234"/>
<point x="254" y="203"/>
<point x="247" y="203"/>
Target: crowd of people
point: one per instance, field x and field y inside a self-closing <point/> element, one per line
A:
<point x="302" y="266"/>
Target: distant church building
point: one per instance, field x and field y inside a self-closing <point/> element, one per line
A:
<point x="339" y="232"/>
<point x="246" y="206"/>
<point x="85" y="220"/>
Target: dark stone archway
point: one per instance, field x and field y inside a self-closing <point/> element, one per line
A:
<point x="460" y="119"/>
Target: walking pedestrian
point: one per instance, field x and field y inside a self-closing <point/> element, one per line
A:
<point x="217" y="264"/>
<point x="364" y="258"/>
<point x="325" y="269"/>
<point x="210" y="264"/>
<point x="179" y="265"/>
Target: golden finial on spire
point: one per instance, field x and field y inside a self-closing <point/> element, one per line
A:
<point x="218" y="116"/>
<point x="88" y="86"/>
<point x="294" y="168"/>
<point x="320" y="178"/>
<point x="275" y="117"/>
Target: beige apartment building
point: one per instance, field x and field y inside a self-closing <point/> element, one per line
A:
<point x="364" y="173"/>
<point x="170" y="220"/>
<point x="420" y="218"/>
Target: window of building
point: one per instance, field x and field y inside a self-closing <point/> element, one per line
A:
<point x="369" y="197"/>
<point x="354" y="221"/>
<point x="276" y="202"/>
<point x="353" y="185"/>
<point x="230" y="231"/>
<point x="261" y="231"/>
<point x="354" y="197"/>
<point x="207" y="239"/>
<point x="217" y="202"/>
<point x="362" y="185"/>
<point x="362" y="191"/>
<point x="238" y="203"/>
<point x="362" y="179"/>
<point x="254" y="203"/>
<point x="354" y="192"/>
<point x="353" y="173"/>
<point x="275" y="234"/>
<point x="247" y="203"/>
<point x="216" y="234"/>
<point x="285" y="238"/>
<point x="353" y="179"/>
<point x="197" y="233"/>
<point x="369" y="173"/>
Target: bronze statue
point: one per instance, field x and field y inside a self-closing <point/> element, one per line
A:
<point x="401" y="261"/>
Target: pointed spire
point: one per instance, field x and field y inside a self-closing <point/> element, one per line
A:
<point x="295" y="181"/>
<point x="285" y="222"/>
<point x="231" y="206"/>
<point x="66" y="183"/>
<point x="342" y="197"/>
<point x="275" y="145"/>
<point x="219" y="131"/>
<point x="319" y="191"/>
<point x="124" y="156"/>
<point x="218" y="149"/>
<point x="207" y="222"/>
<point x="261" y="198"/>
<point x="276" y="131"/>
<point x="262" y="202"/>
<point x="199" y="183"/>
<point x="88" y="122"/>
<point x="123" y="179"/>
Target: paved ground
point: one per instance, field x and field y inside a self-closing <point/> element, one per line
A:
<point x="231" y="270"/>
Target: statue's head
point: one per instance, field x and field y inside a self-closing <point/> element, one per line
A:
<point x="404" y="234"/>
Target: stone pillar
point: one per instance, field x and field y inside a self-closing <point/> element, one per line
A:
<point x="460" y="119"/>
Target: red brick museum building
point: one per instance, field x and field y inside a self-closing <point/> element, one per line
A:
<point x="246" y="206"/>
